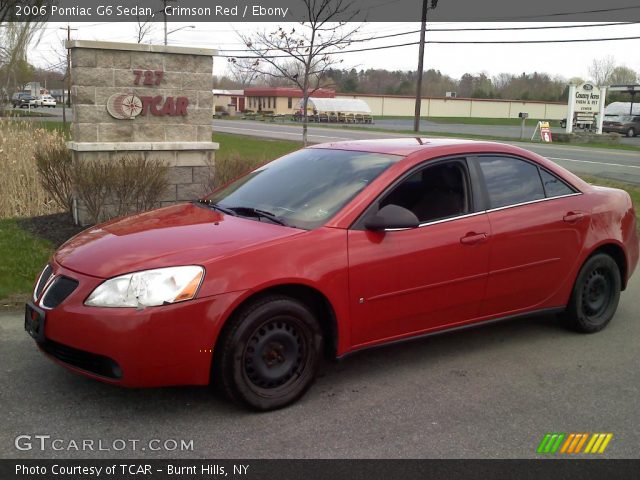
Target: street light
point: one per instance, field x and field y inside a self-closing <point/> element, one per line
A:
<point x="175" y="30"/>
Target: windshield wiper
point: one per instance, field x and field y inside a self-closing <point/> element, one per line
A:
<point x="259" y="213"/>
<point x="208" y="203"/>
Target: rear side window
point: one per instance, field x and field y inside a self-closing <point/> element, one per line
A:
<point x="553" y="186"/>
<point x="510" y="181"/>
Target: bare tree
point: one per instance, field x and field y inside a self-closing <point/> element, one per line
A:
<point x="242" y="71"/>
<point x="623" y="76"/>
<point x="601" y="69"/>
<point x="15" y="38"/>
<point x="144" y="27"/>
<point x="302" y="54"/>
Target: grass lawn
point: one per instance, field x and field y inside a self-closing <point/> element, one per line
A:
<point x="22" y="259"/>
<point x="34" y="112"/>
<point x="259" y="148"/>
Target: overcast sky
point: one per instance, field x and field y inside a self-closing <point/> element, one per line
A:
<point x="566" y="60"/>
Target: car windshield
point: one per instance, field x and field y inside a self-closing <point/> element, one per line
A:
<point x="303" y="189"/>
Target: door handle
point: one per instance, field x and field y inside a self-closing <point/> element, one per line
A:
<point x="473" y="238"/>
<point x="572" y="217"/>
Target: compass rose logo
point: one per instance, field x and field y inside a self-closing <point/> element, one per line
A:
<point x="124" y="106"/>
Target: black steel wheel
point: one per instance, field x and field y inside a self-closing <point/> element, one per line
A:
<point x="595" y="295"/>
<point x="268" y="354"/>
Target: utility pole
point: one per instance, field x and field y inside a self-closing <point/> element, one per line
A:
<point x="164" y="15"/>
<point x="423" y="29"/>
<point x="67" y="102"/>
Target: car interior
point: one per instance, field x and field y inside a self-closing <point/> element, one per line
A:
<point x="434" y="193"/>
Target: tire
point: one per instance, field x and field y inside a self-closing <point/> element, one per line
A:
<point x="268" y="354"/>
<point x="631" y="132"/>
<point x="595" y="295"/>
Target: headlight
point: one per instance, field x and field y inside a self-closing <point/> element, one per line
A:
<point x="148" y="288"/>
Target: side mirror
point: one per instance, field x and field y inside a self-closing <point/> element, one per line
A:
<point x="392" y="216"/>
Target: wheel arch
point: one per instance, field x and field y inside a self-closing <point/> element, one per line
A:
<point x="311" y="297"/>
<point x="615" y="251"/>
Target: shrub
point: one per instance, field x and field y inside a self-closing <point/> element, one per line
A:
<point x="119" y="186"/>
<point x="53" y="162"/>
<point x="231" y="166"/>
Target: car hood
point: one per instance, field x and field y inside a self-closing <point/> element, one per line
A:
<point x="184" y="234"/>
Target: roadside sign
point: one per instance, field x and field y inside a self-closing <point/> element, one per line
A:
<point x="545" y="132"/>
<point x="585" y="118"/>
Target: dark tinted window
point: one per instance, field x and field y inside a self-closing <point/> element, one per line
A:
<point x="434" y="193"/>
<point x="553" y="186"/>
<point x="510" y="181"/>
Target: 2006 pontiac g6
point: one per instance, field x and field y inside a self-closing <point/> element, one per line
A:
<point x="328" y="250"/>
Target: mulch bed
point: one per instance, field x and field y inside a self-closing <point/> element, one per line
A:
<point x="57" y="227"/>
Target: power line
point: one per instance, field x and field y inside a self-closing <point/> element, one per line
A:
<point x="359" y="40"/>
<point x="560" y="14"/>
<point x="449" y="42"/>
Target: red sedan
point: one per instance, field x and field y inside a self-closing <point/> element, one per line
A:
<point x="329" y="250"/>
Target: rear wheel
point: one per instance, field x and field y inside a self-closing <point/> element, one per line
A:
<point x="595" y="295"/>
<point x="268" y="355"/>
<point x="631" y="132"/>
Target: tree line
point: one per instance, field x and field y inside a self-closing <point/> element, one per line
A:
<point x="525" y="86"/>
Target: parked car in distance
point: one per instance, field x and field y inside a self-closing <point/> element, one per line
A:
<point x="628" y="125"/>
<point x="584" y="126"/>
<point x="23" y="100"/>
<point x="46" y="101"/>
<point x="326" y="251"/>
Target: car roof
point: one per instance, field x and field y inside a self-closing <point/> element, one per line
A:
<point x="409" y="145"/>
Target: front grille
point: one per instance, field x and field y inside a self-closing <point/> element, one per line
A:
<point x="60" y="289"/>
<point x="42" y="281"/>
<point x="91" y="362"/>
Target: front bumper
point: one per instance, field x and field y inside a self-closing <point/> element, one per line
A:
<point x="150" y="347"/>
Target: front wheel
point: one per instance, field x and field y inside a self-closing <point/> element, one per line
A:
<point x="268" y="355"/>
<point x="631" y="132"/>
<point x="595" y="295"/>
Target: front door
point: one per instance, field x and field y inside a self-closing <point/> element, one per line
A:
<point x="410" y="281"/>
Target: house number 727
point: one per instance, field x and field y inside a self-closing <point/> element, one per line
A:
<point x="149" y="77"/>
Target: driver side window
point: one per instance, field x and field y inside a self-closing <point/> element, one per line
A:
<point x="433" y="193"/>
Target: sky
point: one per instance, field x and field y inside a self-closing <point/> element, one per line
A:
<point x="566" y="60"/>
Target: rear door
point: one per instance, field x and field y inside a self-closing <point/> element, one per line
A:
<point x="538" y="224"/>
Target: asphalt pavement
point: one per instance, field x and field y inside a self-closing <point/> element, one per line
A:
<point x="602" y="162"/>
<point x="489" y="392"/>
<point x="472" y="129"/>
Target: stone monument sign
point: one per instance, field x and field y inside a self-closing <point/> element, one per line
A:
<point x="149" y="100"/>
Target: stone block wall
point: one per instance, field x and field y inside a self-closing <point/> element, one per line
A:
<point x="98" y="72"/>
<point x="182" y="142"/>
